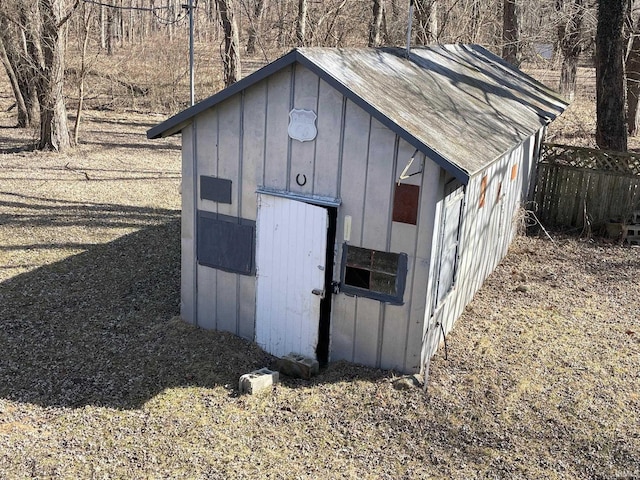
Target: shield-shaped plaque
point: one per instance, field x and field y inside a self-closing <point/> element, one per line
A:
<point x="302" y="125"/>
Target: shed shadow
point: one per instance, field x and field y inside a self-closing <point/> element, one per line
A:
<point x="100" y="328"/>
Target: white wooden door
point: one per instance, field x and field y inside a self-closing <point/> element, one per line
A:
<point x="290" y="260"/>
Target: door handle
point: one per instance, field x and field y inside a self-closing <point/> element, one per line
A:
<point x="318" y="291"/>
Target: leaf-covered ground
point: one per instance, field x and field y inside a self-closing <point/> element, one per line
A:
<point x="98" y="379"/>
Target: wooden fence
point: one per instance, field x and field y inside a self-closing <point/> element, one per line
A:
<point x="576" y="183"/>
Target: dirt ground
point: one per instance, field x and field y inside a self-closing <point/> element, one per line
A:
<point x="98" y="379"/>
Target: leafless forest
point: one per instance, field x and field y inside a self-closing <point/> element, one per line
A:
<point x="63" y="56"/>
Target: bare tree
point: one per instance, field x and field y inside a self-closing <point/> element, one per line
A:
<point x="632" y="68"/>
<point x="375" y="29"/>
<point x="611" y="125"/>
<point x="20" y="72"/>
<point x="301" y="23"/>
<point x="510" y="32"/>
<point x="571" y="42"/>
<point x="254" y="19"/>
<point x="83" y="37"/>
<point x="231" y="55"/>
<point x="426" y="13"/>
<point x="54" y="130"/>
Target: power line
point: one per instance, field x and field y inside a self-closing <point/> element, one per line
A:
<point x="122" y="7"/>
<point x="153" y="10"/>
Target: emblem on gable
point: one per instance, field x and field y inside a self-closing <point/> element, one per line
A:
<point x="302" y="125"/>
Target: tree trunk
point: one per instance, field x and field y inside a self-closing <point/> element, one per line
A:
<point x="426" y="12"/>
<point x="632" y="67"/>
<point x="510" y="32"/>
<point x="474" y="26"/>
<point x="231" y="57"/>
<point x="18" y="74"/>
<point x="54" y="129"/>
<point x="84" y="36"/>
<point x="570" y="42"/>
<point x="301" y="23"/>
<point x="611" y="125"/>
<point x="254" y="20"/>
<point x="375" y="28"/>
<point x="21" y="107"/>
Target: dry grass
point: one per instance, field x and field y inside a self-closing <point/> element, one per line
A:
<point x="99" y="380"/>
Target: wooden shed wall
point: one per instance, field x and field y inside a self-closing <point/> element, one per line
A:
<point x="486" y="234"/>
<point x="354" y="158"/>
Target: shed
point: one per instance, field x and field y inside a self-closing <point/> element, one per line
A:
<point x="348" y="203"/>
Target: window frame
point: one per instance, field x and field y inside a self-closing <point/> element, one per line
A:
<point x="400" y="275"/>
<point x="454" y="193"/>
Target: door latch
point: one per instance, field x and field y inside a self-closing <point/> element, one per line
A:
<point x="318" y="291"/>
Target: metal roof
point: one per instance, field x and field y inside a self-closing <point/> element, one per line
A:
<point x="461" y="105"/>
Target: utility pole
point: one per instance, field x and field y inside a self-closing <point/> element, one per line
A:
<point x="192" y="93"/>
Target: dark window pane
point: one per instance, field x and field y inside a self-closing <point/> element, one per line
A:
<point x="357" y="277"/>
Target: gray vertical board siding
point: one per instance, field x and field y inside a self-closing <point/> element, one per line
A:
<point x="378" y="194"/>
<point x="207" y="164"/>
<point x="229" y="161"/>
<point x="226" y="301"/>
<point x="253" y="146"/>
<point x="305" y="96"/>
<point x="207" y="153"/>
<point x="277" y="139"/>
<point x="402" y="238"/>
<point x="402" y="332"/>
<point x="229" y="164"/>
<point x="326" y="175"/>
<point x="352" y="191"/>
<point x="207" y="280"/>
<point x="365" y="341"/>
<point x="254" y="120"/>
<point x="187" y="231"/>
<point x="375" y="233"/>
<point x="426" y="236"/>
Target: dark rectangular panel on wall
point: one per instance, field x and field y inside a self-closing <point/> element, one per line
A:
<point x="226" y="243"/>
<point x="215" y="189"/>
<point x="405" y="203"/>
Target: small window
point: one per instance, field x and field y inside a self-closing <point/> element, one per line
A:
<point x="483" y="192"/>
<point x="374" y="274"/>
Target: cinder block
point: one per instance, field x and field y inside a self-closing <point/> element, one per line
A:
<point x="298" y="366"/>
<point x="257" y="381"/>
<point x="632" y="234"/>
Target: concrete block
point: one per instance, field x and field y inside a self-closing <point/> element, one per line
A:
<point x="298" y="366"/>
<point x="258" y="381"/>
